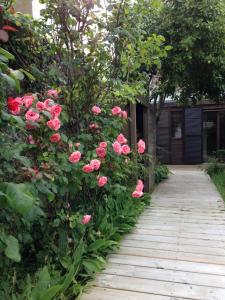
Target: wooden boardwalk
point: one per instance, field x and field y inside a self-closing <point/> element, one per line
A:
<point x="176" y="251"/>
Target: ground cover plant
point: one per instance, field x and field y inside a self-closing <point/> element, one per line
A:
<point x="216" y="170"/>
<point x="70" y="185"/>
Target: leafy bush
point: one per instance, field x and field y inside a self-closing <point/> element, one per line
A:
<point x="161" y="173"/>
<point x="69" y="197"/>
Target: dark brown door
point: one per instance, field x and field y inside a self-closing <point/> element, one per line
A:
<point x="193" y="136"/>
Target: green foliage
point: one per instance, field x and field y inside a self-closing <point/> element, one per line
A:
<point x="161" y="173"/>
<point x="194" y="69"/>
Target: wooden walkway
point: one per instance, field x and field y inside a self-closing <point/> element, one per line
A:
<point x="176" y="251"/>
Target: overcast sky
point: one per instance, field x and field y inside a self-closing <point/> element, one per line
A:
<point x="36" y="9"/>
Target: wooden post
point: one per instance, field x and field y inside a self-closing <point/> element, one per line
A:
<point x="133" y="125"/>
<point x="149" y="124"/>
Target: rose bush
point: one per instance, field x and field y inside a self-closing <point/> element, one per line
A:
<point x="65" y="194"/>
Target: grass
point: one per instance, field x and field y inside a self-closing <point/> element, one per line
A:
<point x="219" y="181"/>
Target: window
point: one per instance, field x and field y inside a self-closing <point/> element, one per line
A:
<point x="177" y="117"/>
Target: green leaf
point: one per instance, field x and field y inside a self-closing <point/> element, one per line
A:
<point x="6" y="54"/>
<point x="12" y="248"/>
<point x="50" y="293"/>
<point x="28" y="74"/>
<point x="100" y="245"/>
<point x="19" y="197"/>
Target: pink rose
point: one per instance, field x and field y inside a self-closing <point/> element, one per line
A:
<point x="28" y="100"/>
<point x="121" y="139"/>
<point x="117" y="147"/>
<point x="55" y="138"/>
<point x="32" y="116"/>
<point x="88" y="168"/>
<point x="75" y="157"/>
<point x="93" y="126"/>
<point x="102" y="181"/>
<point x="54" y="124"/>
<point x="52" y="93"/>
<point x="137" y="194"/>
<point x="140" y="186"/>
<point x="77" y="145"/>
<point x="40" y="106"/>
<point x="103" y="145"/>
<point x="124" y="114"/>
<point x="55" y="111"/>
<point x="125" y="149"/>
<point x="48" y="104"/>
<point x="29" y="126"/>
<point x="96" y="110"/>
<point x="70" y="145"/>
<point x="101" y="152"/>
<point x="31" y="140"/>
<point x="86" y="219"/>
<point x="116" y="110"/>
<point x="14" y="105"/>
<point x="95" y="163"/>
<point x="141" y="147"/>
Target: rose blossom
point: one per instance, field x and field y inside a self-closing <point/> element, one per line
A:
<point x="116" y="110"/>
<point x="54" y="124"/>
<point x="75" y="157"/>
<point x="103" y="145"/>
<point x="88" y="168"/>
<point x="117" y="147"/>
<point x="137" y="194"/>
<point x="40" y="106"/>
<point x="48" y="104"/>
<point x="96" y="110"/>
<point x="140" y="186"/>
<point x="55" y="138"/>
<point x="95" y="163"/>
<point x="31" y="140"/>
<point x="121" y="139"/>
<point x="141" y="147"/>
<point x="101" y="152"/>
<point x="55" y="111"/>
<point x="125" y="149"/>
<point x="77" y="145"/>
<point x="28" y="100"/>
<point x="52" y="93"/>
<point x="93" y="126"/>
<point x="86" y="219"/>
<point x="124" y="114"/>
<point x="31" y="116"/>
<point x="102" y="181"/>
<point x="14" y="105"/>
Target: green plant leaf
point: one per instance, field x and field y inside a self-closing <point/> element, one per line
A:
<point x="12" y="248"/>
<point x="50" y="293"/>
<point x="6" y="54"/>
<point x="19" y="197"/>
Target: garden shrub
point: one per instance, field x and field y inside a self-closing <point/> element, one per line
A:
<point x="70" y="198"/>
<point x="161" y="173"/>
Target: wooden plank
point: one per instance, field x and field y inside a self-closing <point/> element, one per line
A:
<point x="169" y="264"/>
<point x="160" y="287"/>
<point x="111" y="294"/>
<point x="201" y="258"/>
<point x="175" y="240"/>
<point x="175" y="247"/>
<point x="185" y="235"/>
<point x="166" y="275"/>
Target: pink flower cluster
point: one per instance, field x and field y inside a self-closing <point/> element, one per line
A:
<point x="101" y="150"/>
<point x="141" y="146"/>
<point x="138" y="192"/>
<point x="117" y="111"/>
<point x="120" y="146"/>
